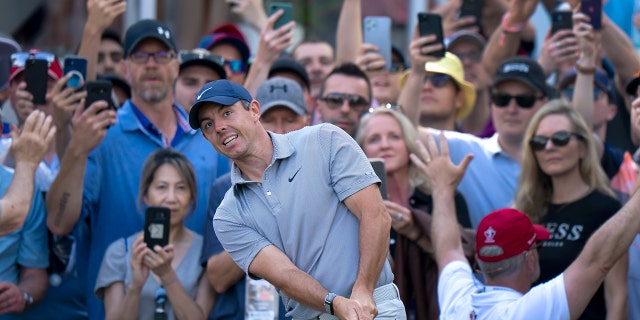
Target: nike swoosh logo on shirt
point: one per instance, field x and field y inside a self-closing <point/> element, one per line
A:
<point x="294" y="175"/>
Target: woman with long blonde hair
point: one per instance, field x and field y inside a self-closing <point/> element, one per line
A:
<point x="563" y="187"/>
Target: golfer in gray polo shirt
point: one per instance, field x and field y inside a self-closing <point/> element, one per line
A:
<point x="304" y="212"/>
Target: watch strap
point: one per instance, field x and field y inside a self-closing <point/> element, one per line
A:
<point x="28" y="299"/>
<point x="328" y="302"/>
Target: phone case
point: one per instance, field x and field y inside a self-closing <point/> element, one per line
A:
<point x="593" y="9"/>
<point x="286" y="17"/>
<point x="99" y="90"/>
<point x="378" y="168"/>
<point x="561" y="20"/>
<point x="431" y="23"/>
<point x="377" y="31"/>
<point x="472" y="8"/>
<point x="36" y="77"/>
<point x="77" y="66"/>
<point x="156" y="226"/>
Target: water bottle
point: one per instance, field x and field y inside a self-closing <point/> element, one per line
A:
<point x="261" y="300"/>
<point x="159" y="313"/>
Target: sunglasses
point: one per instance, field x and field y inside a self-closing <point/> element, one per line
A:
<point x="438" y="80"/>
<point x="235" y="66"/>
<point x="568" y="93"/>
<point x="161" y="57"/>
<point x="19" y="59"/>
<point x="559" y="139"/>
<point x="335" y="100"/>
<point x="525" y="101"/>
<point x="397" y="66"/>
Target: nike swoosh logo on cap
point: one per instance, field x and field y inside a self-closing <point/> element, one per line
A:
<point x="201" y="93"/>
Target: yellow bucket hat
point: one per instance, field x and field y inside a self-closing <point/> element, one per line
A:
<point x="451" y="65"/>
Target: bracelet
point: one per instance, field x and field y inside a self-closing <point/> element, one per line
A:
<point x="585" y="70"/>
<point x="509" y="28"/>
<point x="420" y="235"/>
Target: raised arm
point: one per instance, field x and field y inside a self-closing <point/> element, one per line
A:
<point x="272" y="43"/>
<point x="620" y="52"/>
<point x="505" y="40"/>
<point x="444" y="177"/>
<point x="349" y="32"/>
<point x="419" y="50"/>
<point x="28" y="148"/>
<point x="603" y="249"/>
<point x="64" y="199"/>
<point x="101" y="14"/>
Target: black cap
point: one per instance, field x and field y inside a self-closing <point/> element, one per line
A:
<point x="292" y="66"/>
<point x="144" y="29"/>
<point x="116" y="81"/>
<point x="223" y="92"/>
<point x="111" y="35"/>
<point x="525" y="70"/>
<point x="202" y="57"/>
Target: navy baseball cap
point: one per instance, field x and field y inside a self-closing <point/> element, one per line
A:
<point x="223" y="92"/>
<point x="145" y="29"/>
<point x="600" y="78"/>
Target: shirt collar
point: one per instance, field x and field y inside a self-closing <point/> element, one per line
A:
<point x="282" y="148"/>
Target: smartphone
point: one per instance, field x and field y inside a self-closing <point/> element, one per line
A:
<point x="36" y="76"/>
<point x="472" y="8"/>
<point x="378" y="168"/>
<point x="286" y="17"/>
<point x="377" y="31"/>
<point x="593" y="9"/>
<point x="77" y="67"/>
<point x="431" y="23"/>
<point x="156" y="226"/>
<point x="99" y="90"/>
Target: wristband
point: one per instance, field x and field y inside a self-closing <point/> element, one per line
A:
<point x="585" y="70"/>
<point x="509" y="28"/>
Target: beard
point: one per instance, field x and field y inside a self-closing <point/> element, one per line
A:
<point x="153" y="93"/>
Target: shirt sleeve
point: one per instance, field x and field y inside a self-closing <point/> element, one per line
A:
<point x="113" y="268"/>
<point x="34" y="249"/>
<point x="544" y="301"/>
<point x="455" y="285"/>
<point x="349" y="167"/>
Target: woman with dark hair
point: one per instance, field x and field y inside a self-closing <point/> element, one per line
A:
<point x="133" y="278"/>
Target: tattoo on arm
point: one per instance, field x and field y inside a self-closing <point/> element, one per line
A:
<point x="63" y="205"/>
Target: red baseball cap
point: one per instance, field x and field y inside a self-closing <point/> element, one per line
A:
<point x="17" y="66"/>
<point x="505" y="233"/>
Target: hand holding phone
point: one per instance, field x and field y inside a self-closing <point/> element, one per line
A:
<point x="156" y="226"/>
<point x="593" y="9"/>
<point x="377" y="31"/>
<point x="472" y="8"/>
<point x="99" y="90"/>
<point x="36" y="76"/>
<point x="561" y="20"/>
<point x="286" y="17"/>
<point x="431" y="24"/>
<point x="378" y="168"/>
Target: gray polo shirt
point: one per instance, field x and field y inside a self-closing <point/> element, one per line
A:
<point x="298" y="208"/>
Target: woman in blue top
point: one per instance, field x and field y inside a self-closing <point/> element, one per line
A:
<point x="133" y="277"/>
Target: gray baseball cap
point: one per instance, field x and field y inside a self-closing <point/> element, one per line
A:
<point x="281" y="92"/>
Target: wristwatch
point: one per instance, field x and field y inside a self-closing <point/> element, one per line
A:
<point x="28" y="300"/>
<point x="328" y="302"/>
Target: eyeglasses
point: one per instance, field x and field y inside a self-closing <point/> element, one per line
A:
<point x="472" y="56"/>
<point x="19" y="59"/>
<point x="525" y="101"/>
<point x="559" y="139"/>
<point x="438" y="80"/>
<point x="200" y="54"/>
<point x="235" y="66"/>
<point x="335" y="100"/>
<point x="568" y="93"/>
<point x="160" y="57"/>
